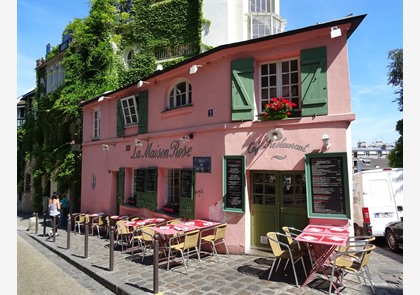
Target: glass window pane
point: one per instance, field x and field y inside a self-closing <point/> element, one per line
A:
<point x="270" y="189"/>
<point x="270" y="200"/>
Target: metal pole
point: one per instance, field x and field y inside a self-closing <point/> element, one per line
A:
<point x="68" y="232"/>
<point x="111" y="248"/>
<point x="156" y="264"/>
<point x="36" y="223"/>
<point x="45" y="224"/>
<point x="53" y="227"/>
<point x="86" y="238"/>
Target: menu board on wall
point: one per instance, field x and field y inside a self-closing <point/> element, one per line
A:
<point x="327" y="181"/>
<point x="234" y="183"/>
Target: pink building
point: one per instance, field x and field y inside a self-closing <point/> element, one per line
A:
<point x="192" y="136"/>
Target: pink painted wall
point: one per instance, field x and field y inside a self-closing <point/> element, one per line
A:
<point x="214" y="136"/>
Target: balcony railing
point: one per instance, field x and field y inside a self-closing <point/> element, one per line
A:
<point x="174" y="51"/>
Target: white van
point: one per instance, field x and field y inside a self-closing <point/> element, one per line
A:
<point x="377" y="200"/>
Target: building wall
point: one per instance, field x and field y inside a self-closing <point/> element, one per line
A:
<point x="216" y="135"/>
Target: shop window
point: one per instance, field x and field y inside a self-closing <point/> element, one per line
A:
<point x="294" y="190"/>
<point x="264" y="188"/>
<point x="129" y="109"/>
<point x="173" y="188"/>
<point x="180" y="95"/>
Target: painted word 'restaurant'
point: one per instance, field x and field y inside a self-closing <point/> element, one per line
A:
<point x="253" y="147"/>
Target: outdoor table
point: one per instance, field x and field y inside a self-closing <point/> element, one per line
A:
<point x="324" y="239"/>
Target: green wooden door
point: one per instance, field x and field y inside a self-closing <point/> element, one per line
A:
<point x="186" y="199"/>
<point x="278" y="199"/>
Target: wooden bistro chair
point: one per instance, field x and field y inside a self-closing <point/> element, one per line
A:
<point x="218" y="237"/>
<point x="186" y="244"/>
<point x="281" y="251"/>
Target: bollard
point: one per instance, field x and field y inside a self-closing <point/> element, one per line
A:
<point x="156" y="264"/>
<point x="45" y="224"/>
<point x="111" y="248"/>
<point x="54" y="227"/>
<point x="86" y="238"/>
<point x="36" y="223"/>
<point x="68" y="232"/>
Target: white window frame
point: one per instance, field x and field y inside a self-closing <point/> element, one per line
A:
<point x="96" y="123"/>
<point x="261" y="25"/>
<point x="273" y="85"/>
<point x="129" y="109"/>
<point x="261" y="6"/>
<point x="180" y="95"/>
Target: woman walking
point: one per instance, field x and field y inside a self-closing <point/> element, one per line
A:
<point x="54" y="207"/>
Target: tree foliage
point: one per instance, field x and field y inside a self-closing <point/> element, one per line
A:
<point x="94" y="64"/>
<point x="395" y="78"/>
<point x="395" y="75"/>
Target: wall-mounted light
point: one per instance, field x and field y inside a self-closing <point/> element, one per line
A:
<point x="326" y="141"/>
<point x="106" y="146"/>
<point x="159" y="67"/>
<point x="335" y="32"/>
<point x="101" y="98"/>
<point x="275" y="134"/>
<point x="194" y="69"/>
<point x="187" y="137"/>
<point x="139" y="142"/>
<point x="140" y="83"/>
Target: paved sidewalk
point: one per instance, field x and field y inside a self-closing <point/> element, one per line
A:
<point x="239" y="274"/>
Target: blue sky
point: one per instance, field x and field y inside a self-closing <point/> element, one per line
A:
<point x="40" y="22"/>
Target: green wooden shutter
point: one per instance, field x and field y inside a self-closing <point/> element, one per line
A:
<point x="243" y="89"/>
<point x="120" y="188"/>
<point x="142" y="109"/>
<point x="314" y="81"/>
<point x="120" y="120"/>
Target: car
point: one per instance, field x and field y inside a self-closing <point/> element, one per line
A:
<point x="394" y="235"/>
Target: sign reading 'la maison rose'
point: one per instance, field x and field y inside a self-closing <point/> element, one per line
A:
<point x="175" y="150"/>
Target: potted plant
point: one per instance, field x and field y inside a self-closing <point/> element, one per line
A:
<point x="278" y="109"/>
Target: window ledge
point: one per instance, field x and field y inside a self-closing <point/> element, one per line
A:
<point x="177" y="111"/>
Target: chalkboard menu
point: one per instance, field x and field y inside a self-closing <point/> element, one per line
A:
<point x="234" y="183"/>
<point x="327" y="178"/>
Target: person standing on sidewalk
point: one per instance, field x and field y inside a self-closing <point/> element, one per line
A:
<point x="64" y="210"/>
<point x="54" y="207"/>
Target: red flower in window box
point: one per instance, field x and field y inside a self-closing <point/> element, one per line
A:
<point x="278" y="108"/>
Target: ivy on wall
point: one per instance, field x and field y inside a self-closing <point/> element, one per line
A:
<point x="94" y="64"/>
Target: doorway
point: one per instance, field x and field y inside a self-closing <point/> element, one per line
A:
<point x="278" y="198"/>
